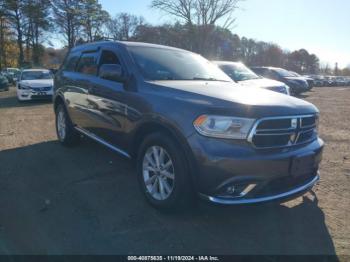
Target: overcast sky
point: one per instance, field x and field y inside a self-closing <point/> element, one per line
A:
<point x="320" y="26"/>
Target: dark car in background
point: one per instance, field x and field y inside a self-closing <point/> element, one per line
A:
<point x="11" y="74"/>
<point x="4" y="83"/>
<point x="310" y="81"/>
<point x="318" y="80"/>
<point x="188" y="127"/>
<point x="297" y="84"/>
<point x="329" y="81"/>
<point x="246" y="77"/>
<point x="341" y="81"/>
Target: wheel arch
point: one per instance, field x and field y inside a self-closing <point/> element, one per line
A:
<point x="58" y="99"/>
<point x="150" y="127"/>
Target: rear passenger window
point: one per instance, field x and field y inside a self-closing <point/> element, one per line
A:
<point x="71" y="62"/>
<point x="88" y="63"/>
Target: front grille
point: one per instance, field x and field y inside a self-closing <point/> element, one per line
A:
<point x="45" y="88"/>
<point x="280" y="132"/>
<point x="43" y="97"/>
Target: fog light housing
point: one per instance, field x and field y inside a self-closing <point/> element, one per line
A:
<point x="237" y="191"/>
<point x="230" y="190"/>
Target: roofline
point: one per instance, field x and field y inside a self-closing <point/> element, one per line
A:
<point x="226" y="62"/>
<point x="96" y="44"/>
<point x="35" y="69"/>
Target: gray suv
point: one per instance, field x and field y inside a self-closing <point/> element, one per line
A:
<point x="189" y="128"/>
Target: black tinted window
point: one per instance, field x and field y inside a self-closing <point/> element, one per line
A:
<point x="108" y="57"/>
<point x="173" y="64"/>
<point x="88" y="64"/>
<point x="259" y="71"/>
<point x="71" y="62"/>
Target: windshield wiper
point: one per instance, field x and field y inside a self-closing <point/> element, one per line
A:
<point x="208" y="79"/>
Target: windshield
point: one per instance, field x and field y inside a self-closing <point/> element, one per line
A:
<point x="294" y="74"/>
<point x="169" y="64"/>
<point x="284" y="73"/>
<point x="12" y="70"/>
<point x="36" y="75"/>
<point x="238" y="72"/>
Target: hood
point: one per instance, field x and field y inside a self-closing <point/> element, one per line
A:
<point x="262" y="83"/>
<point x="255" y="101"/>
<point x="37" y="82"/>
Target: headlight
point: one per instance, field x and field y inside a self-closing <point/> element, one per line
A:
<point x="223" y="126"/>
<point x="23" y="87"/>
<point x="317" y="120"/>
<point x="287" y="89"/>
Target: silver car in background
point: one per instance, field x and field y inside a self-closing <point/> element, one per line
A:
<point x="241" y="74"/>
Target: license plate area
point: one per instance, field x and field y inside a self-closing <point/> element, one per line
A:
<point x="303" y="164"/>
<point x="40" y="93"/>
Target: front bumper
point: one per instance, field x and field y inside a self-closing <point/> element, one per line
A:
<point x="300" y="190"/>
<point x="29" y="94"/>
<point x="257" y="175"/>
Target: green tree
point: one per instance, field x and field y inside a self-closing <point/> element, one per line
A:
<point x="37" y="14"/>
<point x="14" y="11"/>
<point x="67" y="16"/>
<point x="93" y="19"/>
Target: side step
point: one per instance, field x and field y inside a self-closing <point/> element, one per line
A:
<point x="103" y="142"/>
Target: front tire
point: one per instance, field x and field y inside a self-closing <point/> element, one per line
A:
<point x="163" y="173"/>
<point x="66" y="133"/>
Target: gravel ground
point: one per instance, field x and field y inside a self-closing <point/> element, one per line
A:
<point x="85" y="200"/>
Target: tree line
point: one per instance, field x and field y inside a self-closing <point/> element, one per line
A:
<point x="201" y="26"/>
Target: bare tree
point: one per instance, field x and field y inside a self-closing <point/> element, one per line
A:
<point x="123" y="26"/>
<point x="200" y="16"/>
<point x="199" y="12"/>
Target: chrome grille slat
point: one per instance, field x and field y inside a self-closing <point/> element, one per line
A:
<point x="275" y="134"/>
<point x="294" y="134"/>
<point x="276" y="130"/>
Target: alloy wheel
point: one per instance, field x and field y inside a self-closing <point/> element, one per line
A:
<point x="61" y="125"/>
<point x="158" y="172"/>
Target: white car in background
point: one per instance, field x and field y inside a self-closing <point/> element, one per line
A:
<point x="242" y="75"/>
<point x="34" y="84"/>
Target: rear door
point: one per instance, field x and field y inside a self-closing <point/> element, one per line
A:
<point x="81" y="81"/>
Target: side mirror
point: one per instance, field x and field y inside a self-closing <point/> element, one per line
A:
<point x="113" y="72"/>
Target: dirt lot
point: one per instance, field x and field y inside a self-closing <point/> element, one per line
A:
<point x="85" y="200"/>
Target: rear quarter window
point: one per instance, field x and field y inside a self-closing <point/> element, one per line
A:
<point x="71" y="62"/>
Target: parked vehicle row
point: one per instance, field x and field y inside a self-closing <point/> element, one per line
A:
<point x="330" y="80"/>
<point x="295" y="82"/>
<point x="190" y="128"/>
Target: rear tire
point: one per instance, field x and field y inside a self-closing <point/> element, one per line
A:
<point x="66" y="133"/>
<point x="163" y="173"/>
